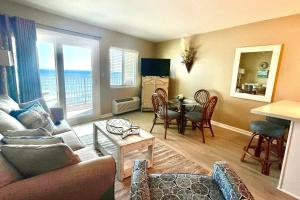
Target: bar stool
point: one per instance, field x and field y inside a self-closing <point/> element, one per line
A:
<point x="267" y="132"/>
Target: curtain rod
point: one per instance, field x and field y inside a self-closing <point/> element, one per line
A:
<point x="52" y="28"/>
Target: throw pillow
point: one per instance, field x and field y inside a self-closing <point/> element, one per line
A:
<point x="7" y="122"/>
<point x="7" y="104"/>
<point x="8" y="174"/>
<point x="26" y="132"/>
<point x="40" y="101"/>
<point x="32" y="160"/>
<point x="32" y="140"/>
<point x="36" y="117"/>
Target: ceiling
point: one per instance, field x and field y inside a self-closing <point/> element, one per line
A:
<point x="159" y="20"/>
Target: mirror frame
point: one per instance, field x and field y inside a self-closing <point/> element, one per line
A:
<point x="276" y="49"/>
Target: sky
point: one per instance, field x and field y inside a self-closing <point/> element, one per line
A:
<point x="75" y="58"/>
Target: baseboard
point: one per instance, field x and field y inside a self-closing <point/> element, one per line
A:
<point x="232" y="128"/>
<point x="105" y="115"/>
<point x="288" y="193"/>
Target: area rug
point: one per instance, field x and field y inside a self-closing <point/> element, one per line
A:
<point x="166" y="160"/>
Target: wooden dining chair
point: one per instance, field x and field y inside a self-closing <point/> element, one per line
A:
<point x="201" y="97"/>
<point x="202" y="119"/>
<point x="161" y="111"/>
<point x="162" y="92"/>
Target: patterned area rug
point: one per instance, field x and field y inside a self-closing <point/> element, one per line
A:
<point x="166" y="160"/>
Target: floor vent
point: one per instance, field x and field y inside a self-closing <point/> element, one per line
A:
<point x="125" y="105"/>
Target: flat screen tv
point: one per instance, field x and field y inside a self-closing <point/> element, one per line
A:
<point x="155" y="67"/>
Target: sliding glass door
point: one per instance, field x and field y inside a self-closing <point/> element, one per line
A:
<point x="68" y="70"/>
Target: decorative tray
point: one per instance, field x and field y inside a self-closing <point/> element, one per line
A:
<point x="123" y="127"/>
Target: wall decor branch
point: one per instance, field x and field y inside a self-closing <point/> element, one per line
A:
<point x="188" y="57"/>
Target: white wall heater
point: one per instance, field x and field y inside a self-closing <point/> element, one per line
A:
<point x="125" y="105"/>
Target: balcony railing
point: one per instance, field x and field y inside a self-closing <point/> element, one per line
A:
<point x="78" y="91"/>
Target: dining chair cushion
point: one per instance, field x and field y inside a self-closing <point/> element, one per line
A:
<point x="173" y="114"/>
<point x="172" y="106"/>
<point x="194" y="116"/>
<point x="267" y="128"/>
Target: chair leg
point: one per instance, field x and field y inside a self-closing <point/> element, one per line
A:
<point x="246" y="148"/>
<point x="212" y="133"/>
<point x="280" y="152"/>
<point x="266" y="164"/>
<point x="258" y="147"/>
<point x="166" y="127"/>
<point x="193" y="126"/>
<point x="154" y="121"/>
<point x="202" y="131"/>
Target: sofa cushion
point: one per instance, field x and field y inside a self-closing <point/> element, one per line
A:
<point x="183" y="186"/>
<point x="7" y="122"/>
<point x="32" y="160"/>
<point x="87" y="153"/>
<point x="32" y="140"/>
<point x="36" y="117"/>
<point x="26" y="132"/>
<point x="7" y="104"/>
<point x="62" y="127"/>
<point x="8" y="173"/>
<point x="40" y="101"/>
<point x="71" y="139"/>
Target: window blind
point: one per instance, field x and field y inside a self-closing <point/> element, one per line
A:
<point x="123" y="67"/>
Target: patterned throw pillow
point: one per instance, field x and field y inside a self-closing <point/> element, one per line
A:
<point x="36" y="117"/>
<point x="40" y="101"/>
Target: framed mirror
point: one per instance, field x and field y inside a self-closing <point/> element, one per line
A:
<point x="254" y="72"/>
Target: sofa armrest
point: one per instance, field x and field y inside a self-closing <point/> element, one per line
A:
<point x="229" y="182"/>
<point x="139" y="181"/>
<point x="93" y="180"/>
<point x="57" y="114"/>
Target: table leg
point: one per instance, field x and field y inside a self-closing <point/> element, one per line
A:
<point x="150" y="155"/>
<point x="182" y="120"/>
<point x="120" y="163"/>
<point x="95" y="135"/>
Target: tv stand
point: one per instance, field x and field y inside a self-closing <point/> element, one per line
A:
<point x="149" y="85"/>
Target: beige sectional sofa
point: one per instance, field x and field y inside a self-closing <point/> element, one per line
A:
<point x="92" y="178"/>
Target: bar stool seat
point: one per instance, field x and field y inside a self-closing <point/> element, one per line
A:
<point x="267" y="128"/>
<point x="267" y="132"/>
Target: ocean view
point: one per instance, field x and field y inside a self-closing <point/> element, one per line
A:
<point x="78" y="85"/>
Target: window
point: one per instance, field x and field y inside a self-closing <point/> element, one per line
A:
<point x="123" y="67"/>
<point x="66" y="65"/>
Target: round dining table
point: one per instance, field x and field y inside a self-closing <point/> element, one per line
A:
<point x="188" y="102"/>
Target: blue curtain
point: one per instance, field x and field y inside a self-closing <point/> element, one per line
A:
<point x="28" y="70"/>
<point x="6" y="35"/>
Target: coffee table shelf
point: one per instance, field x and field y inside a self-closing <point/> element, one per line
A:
<point x="124" y="151"/>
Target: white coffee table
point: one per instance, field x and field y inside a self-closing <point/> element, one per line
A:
<point x="125" y="150"/>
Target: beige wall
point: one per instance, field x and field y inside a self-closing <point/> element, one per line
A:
<point x="213" y="67"/>
<point x="108" y="38"/>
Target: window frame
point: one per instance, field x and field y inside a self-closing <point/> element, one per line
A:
<point x="136" y="67"/>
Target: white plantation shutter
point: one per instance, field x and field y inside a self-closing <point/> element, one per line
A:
<point x="116" y="68"/>
<point x="130" y="65"/>
<point x="123" y="67"/>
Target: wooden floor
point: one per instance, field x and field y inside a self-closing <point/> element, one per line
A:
<point x="226" y="145"/>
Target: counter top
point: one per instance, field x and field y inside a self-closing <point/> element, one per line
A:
<point x="286" y="109"/>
